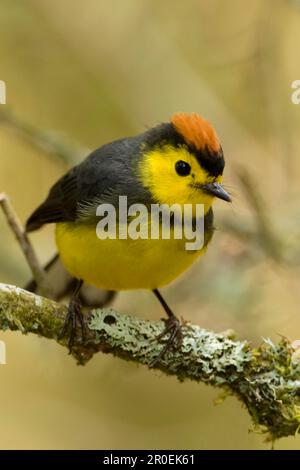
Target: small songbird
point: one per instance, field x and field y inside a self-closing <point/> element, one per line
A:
<point x="178" y="162"/>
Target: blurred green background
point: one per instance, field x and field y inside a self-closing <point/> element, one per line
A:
<point x="86" y="72"/>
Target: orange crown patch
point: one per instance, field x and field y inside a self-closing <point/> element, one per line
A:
<point x="196" y="131"/>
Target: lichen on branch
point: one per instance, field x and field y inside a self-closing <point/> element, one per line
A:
<point x="265" y="379"/>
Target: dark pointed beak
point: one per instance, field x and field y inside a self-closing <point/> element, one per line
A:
<point x="217" y="190"/>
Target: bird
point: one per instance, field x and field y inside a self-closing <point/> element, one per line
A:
<point x="176" y="162"/>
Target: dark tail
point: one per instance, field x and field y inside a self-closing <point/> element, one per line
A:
<point x="62" y="284"/>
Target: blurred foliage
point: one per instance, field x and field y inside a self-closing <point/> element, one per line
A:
<point x="82" y="73"/>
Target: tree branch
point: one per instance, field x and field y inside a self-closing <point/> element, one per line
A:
<point x="265" y="379"/>
<point x="49" y="142"/>
<point x="25" y="244"/>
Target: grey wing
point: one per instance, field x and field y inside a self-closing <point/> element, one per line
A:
<point x="101" y="177"/>
<point x="95" y="179"/>
<point x="59" y="206"/>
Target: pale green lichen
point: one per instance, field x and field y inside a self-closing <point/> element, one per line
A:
<point x="265" y="379"/>
<point x="201" y="352"/>
<point x="274" y="389"/>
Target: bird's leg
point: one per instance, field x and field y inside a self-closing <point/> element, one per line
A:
<point x="172" y="329"/>
<point x="74" y="318"/>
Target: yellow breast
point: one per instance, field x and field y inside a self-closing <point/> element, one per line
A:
<point x="117" y="264"/>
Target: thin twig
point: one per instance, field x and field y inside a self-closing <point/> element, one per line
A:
<point x="51" y="143"/>
<point x="25" y="244"/>
<point x="268" y="237"/>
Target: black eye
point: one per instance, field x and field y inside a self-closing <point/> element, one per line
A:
<point x="182" y="168"/>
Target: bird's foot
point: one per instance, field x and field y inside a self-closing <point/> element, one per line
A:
<point x="173" y="336"/>
<point x="73" y="323"/>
